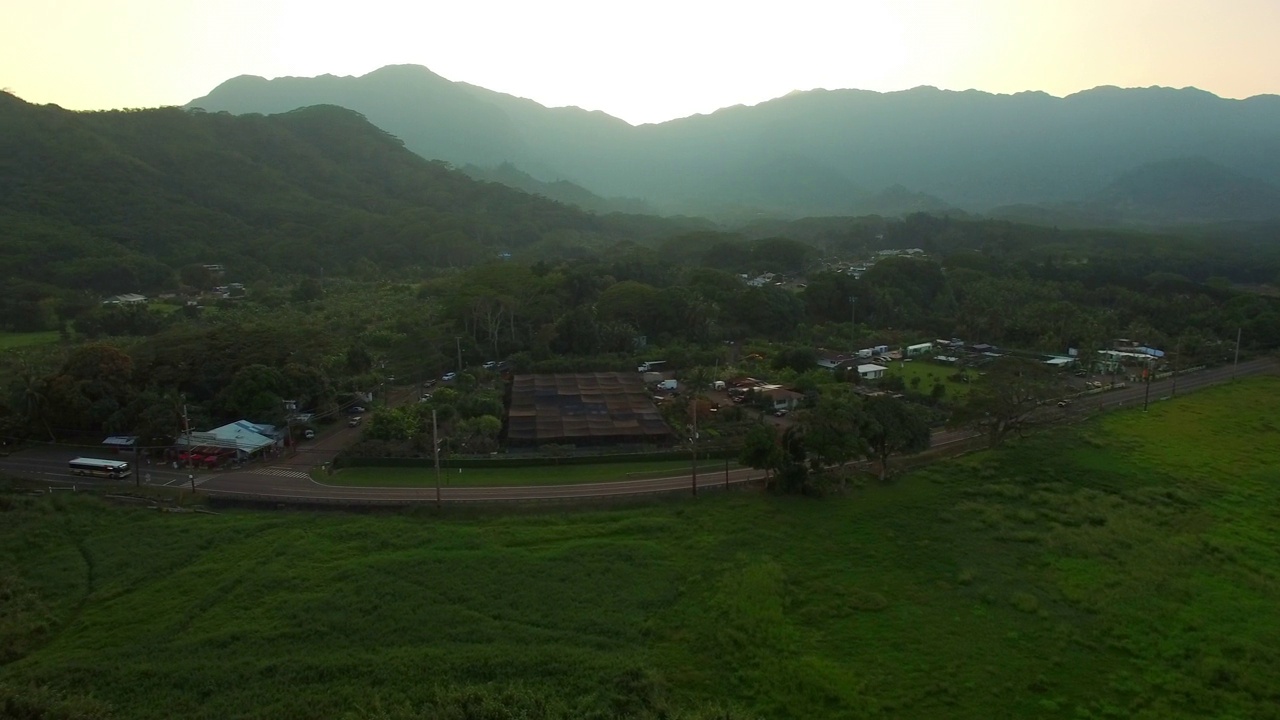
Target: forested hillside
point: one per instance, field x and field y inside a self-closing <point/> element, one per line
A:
<point x="116" y="201"/>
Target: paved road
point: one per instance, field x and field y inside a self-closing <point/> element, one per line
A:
<point x="288" y="481"/>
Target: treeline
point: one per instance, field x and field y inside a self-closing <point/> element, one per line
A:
<point x="683" y="299"/>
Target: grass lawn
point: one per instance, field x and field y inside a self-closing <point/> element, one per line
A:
<point x="929" y="373"/>
<point x="12" y="341"/>
<point x="547" y="475"/>
<point x="1128" y="567"/>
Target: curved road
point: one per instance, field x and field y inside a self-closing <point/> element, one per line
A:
<point x="289" y="482"/>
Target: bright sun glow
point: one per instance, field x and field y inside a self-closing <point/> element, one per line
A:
<point x="643" y="62"/>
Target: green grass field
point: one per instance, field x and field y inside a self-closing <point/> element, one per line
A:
<point x="1124" y="568"/>
<point x="929" y="373"/>
<point x="13" y="341"/>
<point x="548" y="475"/>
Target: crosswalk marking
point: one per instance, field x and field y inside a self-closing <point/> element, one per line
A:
<point x="280" y="472"/>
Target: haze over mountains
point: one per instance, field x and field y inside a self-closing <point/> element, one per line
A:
<point x="1145" y="156"/>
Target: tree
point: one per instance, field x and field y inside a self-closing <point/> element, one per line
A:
<point x="761" y="449"/>
<point x="30" y="395"/>
<point x="255" y="393"/>
<point x="309" y="290"/>
<point x="833" y="429"/>
<point x="393" y="425"/>
<point x="893" y="427"/>
<point x="800" y="358"/>
<point x="794" y="475"/>
<point x="1007" y="400"/>
<point x="358" y="360"/>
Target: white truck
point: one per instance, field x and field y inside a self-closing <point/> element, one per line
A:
<point x="651" y="365"/>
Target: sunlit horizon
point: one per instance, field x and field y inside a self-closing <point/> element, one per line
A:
<point x="665" y="61"/>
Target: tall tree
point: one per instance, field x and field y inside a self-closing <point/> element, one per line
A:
<point x="1008" y="399"/>
<point x="893" y="427"/>
<point x="833" y="429"/>
<point x="761" y="450"/>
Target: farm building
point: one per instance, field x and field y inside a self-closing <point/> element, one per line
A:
<point x="602" y="408"/>
<point x="920" y="349"/>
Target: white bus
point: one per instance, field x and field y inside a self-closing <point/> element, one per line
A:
<point x="99" y="468"/>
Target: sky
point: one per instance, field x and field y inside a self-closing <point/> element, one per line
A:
<point x="642" y="61"/>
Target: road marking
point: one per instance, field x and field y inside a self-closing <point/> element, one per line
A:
<point x="281" y="472"/>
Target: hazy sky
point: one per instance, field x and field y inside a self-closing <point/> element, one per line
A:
<point x="643" y="61"/>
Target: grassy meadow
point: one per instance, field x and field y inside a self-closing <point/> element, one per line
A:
<point x="1123" y="568"/>
<point x="929" y="373"/>
<point x="14" y="341"/>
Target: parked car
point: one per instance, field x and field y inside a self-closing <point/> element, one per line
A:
<point x="309" y="434"/>
<point x="490" y="365"/>
<point x="1063" y="403"/>
<point x="430" y="383"/>
<point x="355" y="421"/>
<point x="780" y="412"/>
<point x="355" y="410"/>
<point x="449" y="376"/>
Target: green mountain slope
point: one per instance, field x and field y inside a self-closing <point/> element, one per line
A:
<point x="114" y="201"/>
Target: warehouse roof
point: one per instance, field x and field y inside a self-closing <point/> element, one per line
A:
<point x="600" y="407"/>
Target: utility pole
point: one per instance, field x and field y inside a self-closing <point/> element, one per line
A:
<point x="186" y="426"/>
<point x="457" y="341"/>
<point x="726" y="473"/>
<point x="1236" y="364"/>
<point x="853" y="322"/>
<point x="1146" y="396"/>
<point x="695" y="445"/>
<point x="435" y="447"/>
<point x="1177" y="359"/>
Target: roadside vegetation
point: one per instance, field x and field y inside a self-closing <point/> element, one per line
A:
<point x="513" y="476"/>
<point x="1122" y="568"/>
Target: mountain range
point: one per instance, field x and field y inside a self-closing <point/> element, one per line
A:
<point x="117" y="201"/>
<point x="838" y="152"/>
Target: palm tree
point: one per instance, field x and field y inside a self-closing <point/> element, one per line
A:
<point x="32" y="397"/>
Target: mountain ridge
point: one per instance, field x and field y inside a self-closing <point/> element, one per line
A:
<point x="972" y="150"/>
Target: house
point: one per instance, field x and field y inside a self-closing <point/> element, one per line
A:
<point x="782" y="398"/>
<point x="871" y="372"/>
